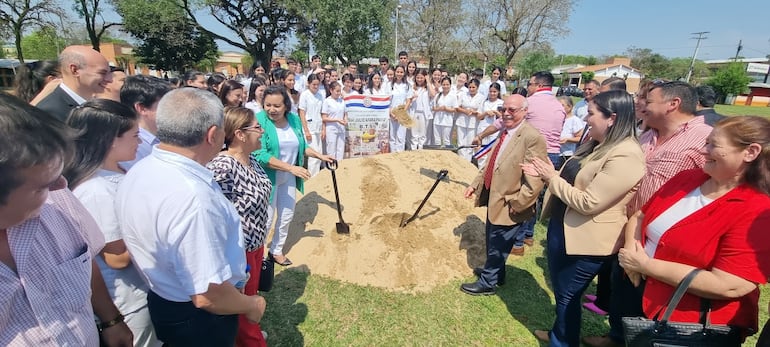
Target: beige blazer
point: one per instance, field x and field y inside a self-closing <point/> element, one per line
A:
<point x="510" y="186"/>
<point x="596" y="204"/>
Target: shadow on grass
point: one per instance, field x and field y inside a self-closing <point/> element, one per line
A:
<point x="526" y="301"/>
<point x="284" y="313"/>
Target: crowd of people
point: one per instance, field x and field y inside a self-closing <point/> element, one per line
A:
<point x="151" y="200"/>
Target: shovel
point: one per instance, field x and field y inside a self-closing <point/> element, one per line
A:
<point x="441" y="175"/>
<point x="342" y="227"/>
<point x="444" y="148"/>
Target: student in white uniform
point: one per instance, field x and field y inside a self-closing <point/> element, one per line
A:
<point x="108" y="134"/>
<point x="470" y="109"/>
<point x="310" y="104"/>
<point x="444" y="107"/>
<point x="335" y="120"/>
<point x="420" y="110"/>
<point x="401" y="95"/>
<point x="375" y="86"/>
<point x="490" y="112"/>
<point x="496" y="74"/>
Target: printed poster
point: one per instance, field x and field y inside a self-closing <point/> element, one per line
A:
<point x="368" y="125"/>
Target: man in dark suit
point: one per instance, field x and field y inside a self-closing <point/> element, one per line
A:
<point x="85" y="72"/>
<point x="507" y="192"/>
<point x="706" y="100"/>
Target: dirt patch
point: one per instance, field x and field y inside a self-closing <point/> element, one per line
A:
<point x="444" y="243"/>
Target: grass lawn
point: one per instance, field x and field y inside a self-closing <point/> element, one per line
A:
<point x="312" y="310"/>
<point x="740" y="110"/>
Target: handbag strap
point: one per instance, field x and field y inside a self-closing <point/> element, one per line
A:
<point x="678" y="294"/>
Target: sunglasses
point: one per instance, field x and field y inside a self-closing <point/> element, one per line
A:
<point x="502" y="109"/>
<point x="252" y="128"/>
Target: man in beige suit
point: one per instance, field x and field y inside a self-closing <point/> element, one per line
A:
<point x="507" y="192"/>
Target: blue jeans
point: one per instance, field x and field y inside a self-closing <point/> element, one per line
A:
<point x="500" y="239"/>
<point x="570" y="276"/>
<point x="182" y="324"/>
<point x="529" y="225"/>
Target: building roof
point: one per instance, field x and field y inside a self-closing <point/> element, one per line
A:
<point x="599" y="67"/>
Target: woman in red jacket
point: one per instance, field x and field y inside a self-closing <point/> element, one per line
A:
<point x="716" y="219"/>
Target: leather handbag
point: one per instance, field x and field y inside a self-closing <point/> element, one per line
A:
<point x="643" y="332"/>
<point x="266" y="275"/>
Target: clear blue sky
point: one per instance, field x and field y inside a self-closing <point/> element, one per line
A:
<point x="606" y="27"/>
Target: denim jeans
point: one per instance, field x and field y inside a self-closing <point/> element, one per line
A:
<point x="570" y="276"/>
<point x="182" y="324"/>
<point x="500" y="239"/>
<point x="529" y="225"/>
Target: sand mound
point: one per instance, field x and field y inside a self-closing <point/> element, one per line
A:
<point x="442" y="244"/>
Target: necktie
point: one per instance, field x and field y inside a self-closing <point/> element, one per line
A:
<point x="492" y="159"/>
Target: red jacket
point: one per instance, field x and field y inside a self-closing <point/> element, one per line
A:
<point x="731" y="233"/>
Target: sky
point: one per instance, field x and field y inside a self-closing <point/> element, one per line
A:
<point x="607" y="27"/>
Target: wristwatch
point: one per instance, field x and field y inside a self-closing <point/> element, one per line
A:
<point x="111" y="323"/>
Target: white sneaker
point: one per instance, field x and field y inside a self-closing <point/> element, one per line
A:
<point x="264" y="334"/>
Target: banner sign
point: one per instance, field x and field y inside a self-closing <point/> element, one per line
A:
<point x="368" y="125"/>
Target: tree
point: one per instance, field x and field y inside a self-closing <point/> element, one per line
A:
<point x="518" y="23"/>
<point x="652" y="64"/>
<point x="42" y="44"/>
<point x="345" y="29"/>
<point x="730" y="79"/>
<point x="587" y="76"/>
<point x="16" y="16"/>
<point x="169" y="40"/>
<point x="430" y="27"/>
<point x="534" y="61"/>
<point x="90" y="10"/>
<point x="257" y="26"/>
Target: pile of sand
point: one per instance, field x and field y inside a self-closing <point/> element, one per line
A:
<point x="444" y="243"/>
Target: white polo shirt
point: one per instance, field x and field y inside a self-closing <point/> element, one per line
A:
<point x="181" y="231"/>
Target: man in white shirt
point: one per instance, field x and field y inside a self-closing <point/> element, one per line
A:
<point x="142" y="93"/>
<point x="182" y="233"/>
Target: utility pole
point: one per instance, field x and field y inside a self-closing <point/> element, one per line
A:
<point x="701" y="36"/>
<point x="738" y="51"/>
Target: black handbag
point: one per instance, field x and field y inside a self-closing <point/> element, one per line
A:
<point x="266" y="275"/>
<point x="643" y="332"/>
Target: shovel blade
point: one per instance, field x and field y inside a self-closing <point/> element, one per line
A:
<point x="343" y="228"/>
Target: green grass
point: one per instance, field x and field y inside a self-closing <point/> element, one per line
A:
<point x="740" y="110"/>
<point x="312" y="310"/>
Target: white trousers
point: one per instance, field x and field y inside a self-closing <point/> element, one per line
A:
<point x="141" y="326"/>
<point x="464" y="138"/>
<point x="397" y="137"/>
<point x="281" y="210"/>
<point x="418" y="131"/>
<point x="313" y="164"/>
<point x="335" y="144"/>
<point x="441" y="135"/>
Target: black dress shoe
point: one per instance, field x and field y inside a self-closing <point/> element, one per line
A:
<point x="478" y="270"/>
<point x="476" y="289"/>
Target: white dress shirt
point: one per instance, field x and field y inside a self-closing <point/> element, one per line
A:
<point x="181" y="231"/>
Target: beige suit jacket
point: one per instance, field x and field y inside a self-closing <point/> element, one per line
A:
<point x="510" y="186"/>
<point x="596" y="204"/>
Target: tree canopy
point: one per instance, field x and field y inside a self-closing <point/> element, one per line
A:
<point x="730" y="79"/>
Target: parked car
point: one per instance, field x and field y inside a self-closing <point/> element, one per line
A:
<point x="570" y="91"/>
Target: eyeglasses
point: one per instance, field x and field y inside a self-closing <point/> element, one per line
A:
<point x="509" y="109"/>
<point x="252" y="128"/>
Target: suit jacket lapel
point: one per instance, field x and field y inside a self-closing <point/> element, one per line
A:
<point x="509" y="148"/>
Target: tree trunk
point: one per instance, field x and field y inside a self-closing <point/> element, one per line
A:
<point x="19" y="54"/>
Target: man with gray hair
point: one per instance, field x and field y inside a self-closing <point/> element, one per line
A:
<point x="84" y="73"/>
<point x="182" y="233"/>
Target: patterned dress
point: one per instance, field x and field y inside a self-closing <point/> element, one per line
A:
<point x="249" y="190"/>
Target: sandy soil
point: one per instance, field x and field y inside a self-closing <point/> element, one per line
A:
<point x="444" y="243"/>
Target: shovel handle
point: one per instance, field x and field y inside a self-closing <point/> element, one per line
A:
<point x="331" y="165"/>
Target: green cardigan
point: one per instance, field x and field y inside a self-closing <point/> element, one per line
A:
<point x="271" y="149"/>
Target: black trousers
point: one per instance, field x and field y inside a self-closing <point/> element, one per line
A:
<point x="182" y="324"/>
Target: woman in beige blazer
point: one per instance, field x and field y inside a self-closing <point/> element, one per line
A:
<point x="587" y="203"/>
